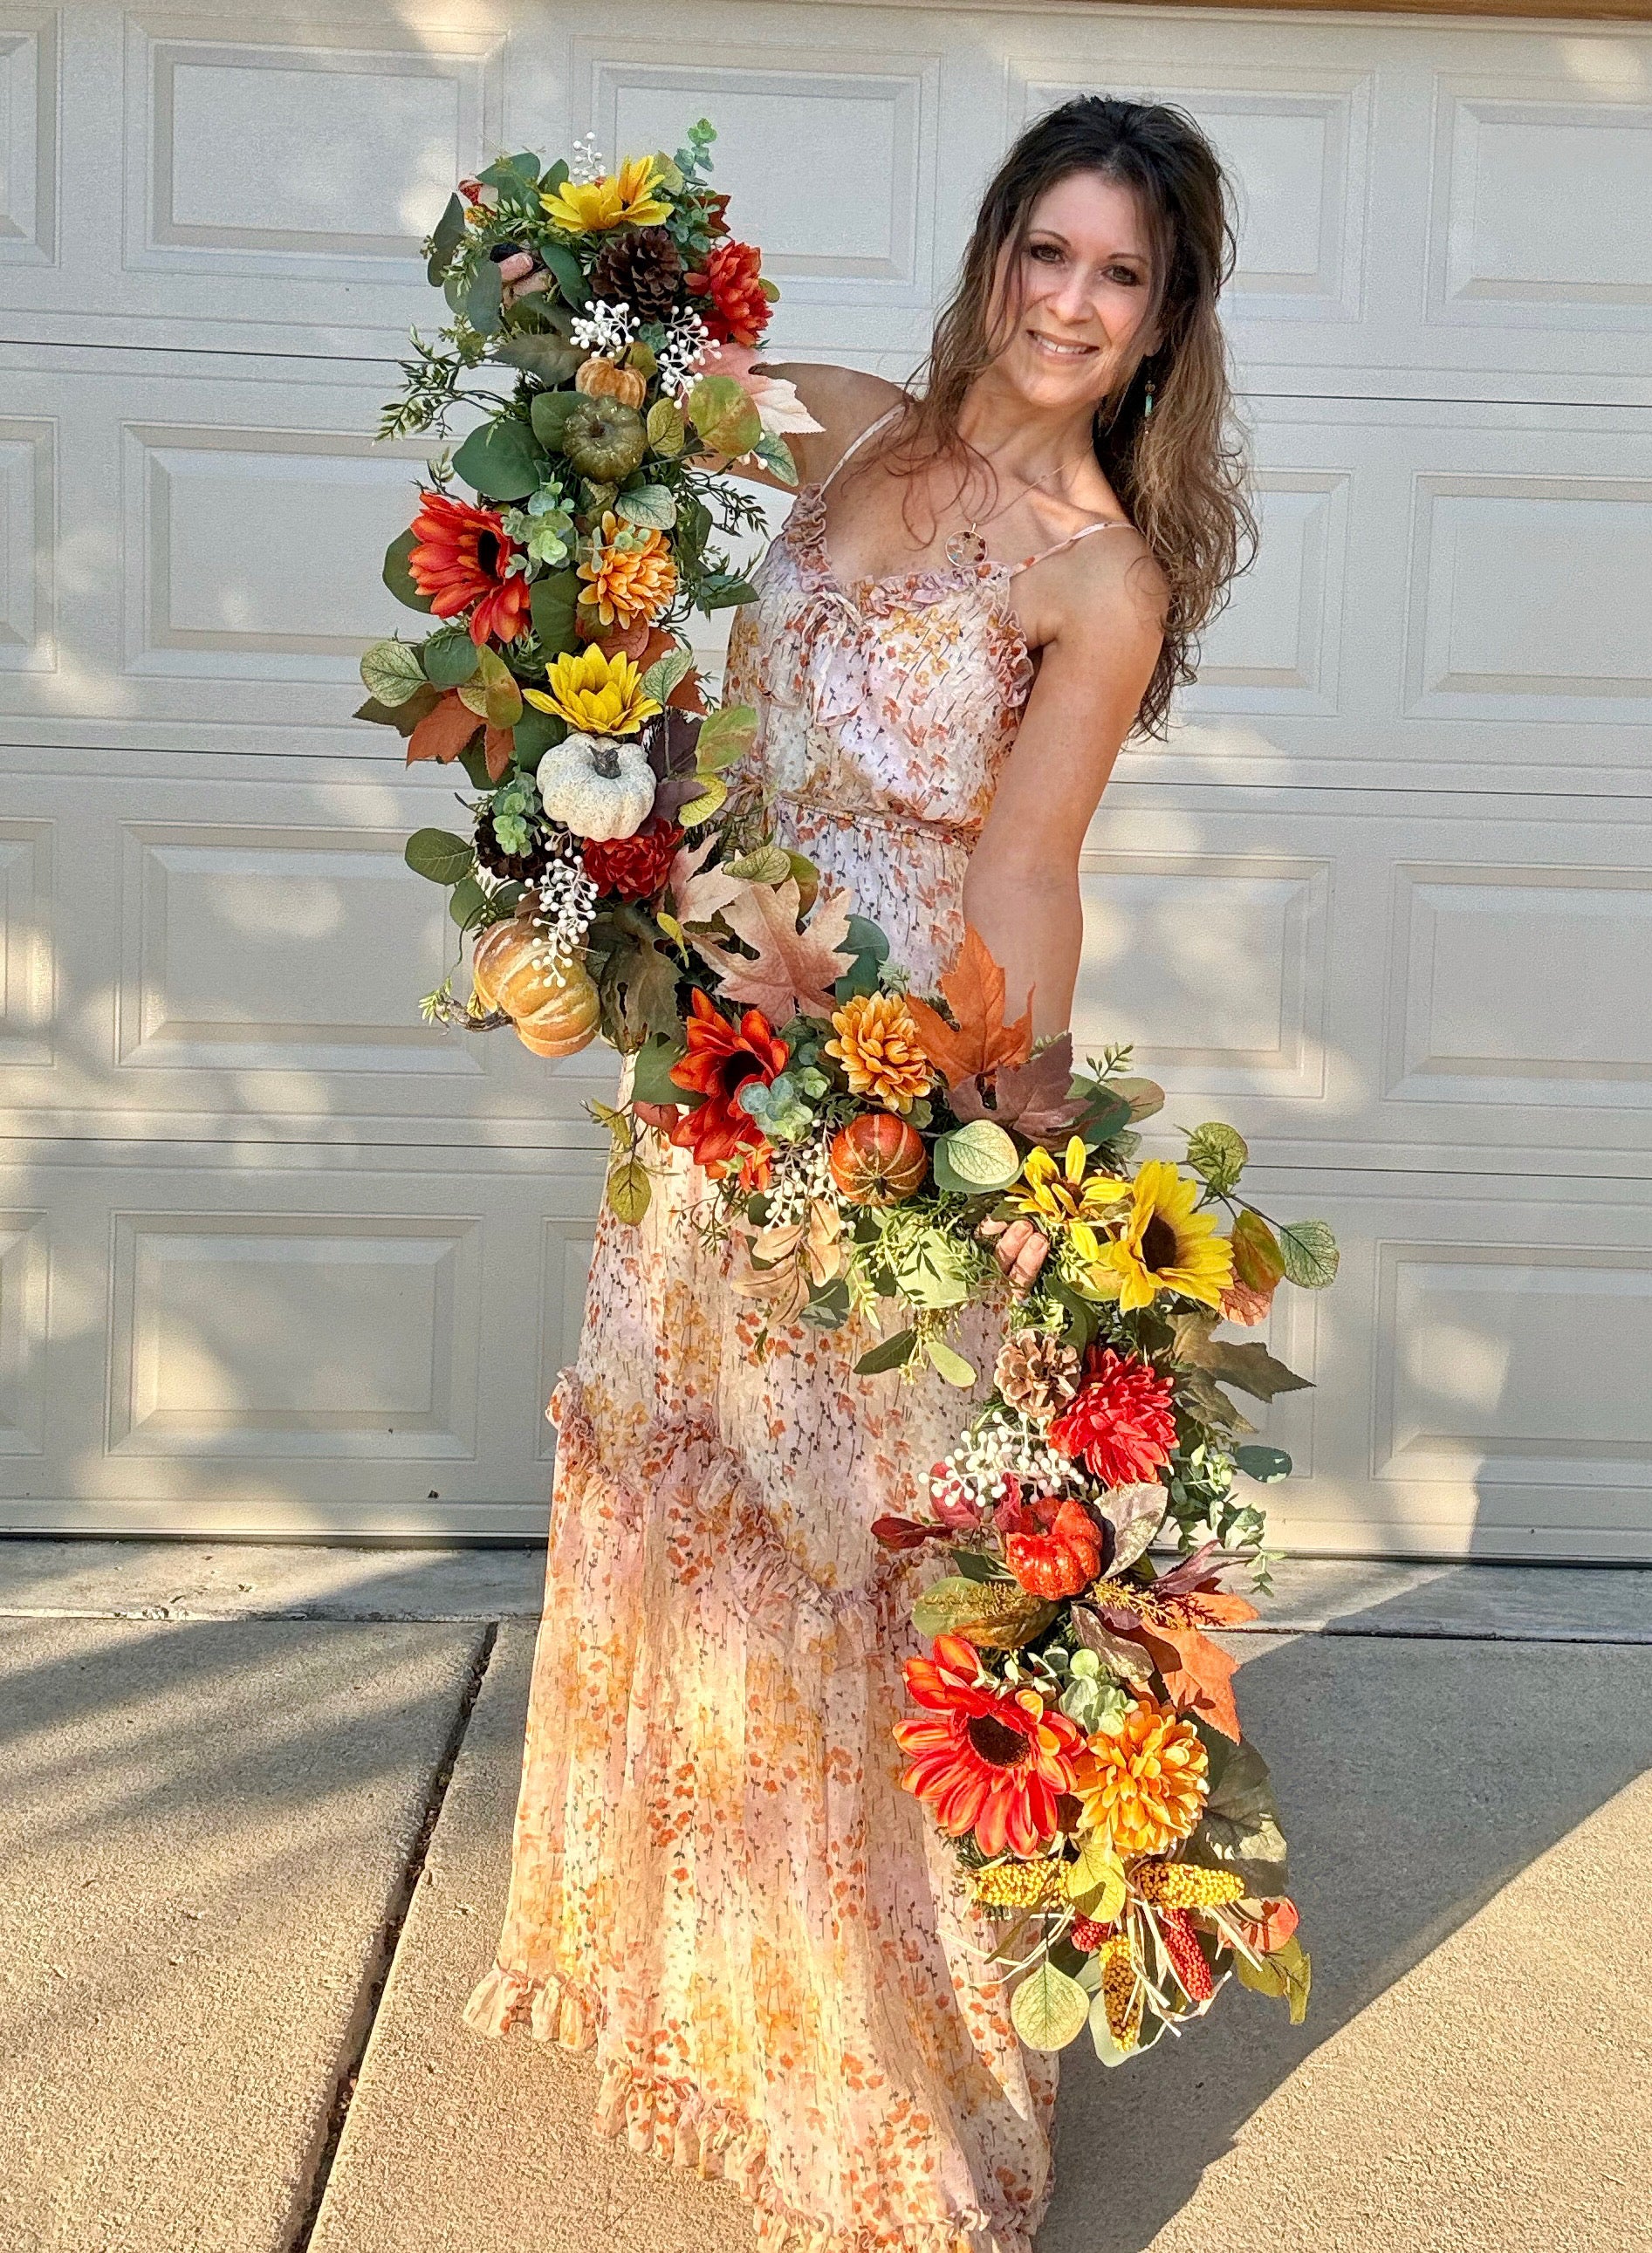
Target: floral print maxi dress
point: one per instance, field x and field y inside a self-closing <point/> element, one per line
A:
<point x="717" y="1882"/>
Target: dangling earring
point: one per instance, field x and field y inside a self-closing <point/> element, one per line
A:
<point x="1147" y="404"/>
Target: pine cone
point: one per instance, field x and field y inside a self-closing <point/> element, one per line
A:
<point x="515" y="867"/>
<point x="1036" y="1373"/>
<point x="643" y="269"/>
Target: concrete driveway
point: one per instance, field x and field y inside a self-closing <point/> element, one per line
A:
<point x="254" y="1842"/>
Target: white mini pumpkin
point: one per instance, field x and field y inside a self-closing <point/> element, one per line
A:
<point x="601" y="787"/>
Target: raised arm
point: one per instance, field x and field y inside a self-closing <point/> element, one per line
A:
<point x="1095" y="613"/>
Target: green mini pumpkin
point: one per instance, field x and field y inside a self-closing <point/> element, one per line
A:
<point x="603" y="439"/>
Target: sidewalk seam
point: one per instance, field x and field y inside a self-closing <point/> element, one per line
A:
<point x="365" y="2018"/>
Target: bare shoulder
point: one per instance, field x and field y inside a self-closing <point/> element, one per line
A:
<point x="844" y="401"/>
<point x="1105" y="591"/>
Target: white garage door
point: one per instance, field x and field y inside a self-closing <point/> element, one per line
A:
<point x="275" y="1256"/>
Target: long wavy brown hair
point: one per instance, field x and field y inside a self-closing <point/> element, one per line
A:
<point x="1180" y="472"/>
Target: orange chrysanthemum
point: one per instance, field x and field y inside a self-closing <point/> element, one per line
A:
<point x="877" y="1045"/>
<point x="631" y="574"/>
<point x="1146" y="1786"/>
<point x="985" y="1761"/>
<point x="463" y="556"/>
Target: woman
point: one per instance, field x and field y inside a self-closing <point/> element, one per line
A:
<point x="718" y="1883"/>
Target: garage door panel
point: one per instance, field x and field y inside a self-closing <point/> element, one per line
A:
<point x="252" y="949"/>
<point x="1423" y="980"/>
<point x="1479" y="1369"/>
<point x="285" y="1342"/>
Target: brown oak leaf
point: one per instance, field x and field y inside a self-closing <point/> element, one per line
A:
<point x="1032" y="1096"/>
<point x="980" y="1041"/>
<point x="794" y="969"/>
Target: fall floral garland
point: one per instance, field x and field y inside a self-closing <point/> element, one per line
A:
<point x="1076" y="1734"/>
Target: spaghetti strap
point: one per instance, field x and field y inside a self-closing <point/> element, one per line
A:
<point x="855" y="444"/>
<point x="1107" y="523"/>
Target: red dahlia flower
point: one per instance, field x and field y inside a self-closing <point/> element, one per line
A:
<point x="722" y="1058"/>
<point x="738" y="312"/>
<point x="461" y="557"/>
<point x="634" y="867"/>
<point x="1120" y="1426"/>
<point x="983" y="1761"/>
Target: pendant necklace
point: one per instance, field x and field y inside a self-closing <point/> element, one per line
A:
<point x="965" y="549"/>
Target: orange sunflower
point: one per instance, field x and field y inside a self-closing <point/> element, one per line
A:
<point x="984" y="1760"/>
<point x="463" y="556"/>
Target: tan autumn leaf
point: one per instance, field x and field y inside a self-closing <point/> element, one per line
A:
<point x="794" y="969"/>
<point x="769" y="1267"/>
<point x="700" y="892"/>
<point x="981" y="1041"/>
<point x="823" y="1243"/>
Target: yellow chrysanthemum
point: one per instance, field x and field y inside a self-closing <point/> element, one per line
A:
<point x="1166" y="1245"/>
<point x="624" y="198"/>
<point x="877" y="1044"/>
<point x="630" y="575"/>
<point x="1146" y="1785"/>
<point x="599" y="695"/>
<point x="1061" y="1193"/>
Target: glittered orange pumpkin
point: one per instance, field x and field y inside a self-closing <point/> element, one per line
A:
<point x="877" y="1158"/>
<point x="551" y="1001"/>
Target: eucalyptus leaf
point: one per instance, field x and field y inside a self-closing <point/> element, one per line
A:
<point x="391" y="672"/>
<point x="445" y="238"/>
<point x="501" y="460"/>
<point x="546" y="356"/>
<point x="485" y="300"/>
<point x="569" y="276"/>
<point x="450" y="658"/>
<point x="550" y="412"/>
<point x="397" y="576"/>
<point x="667" y="430"/>
<point x="439" y="856"/>
<point x="1265" y="1465"/>
<point x="555" y="600"/>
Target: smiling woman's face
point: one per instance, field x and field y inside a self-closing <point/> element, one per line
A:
<point x="1086" y="284"/>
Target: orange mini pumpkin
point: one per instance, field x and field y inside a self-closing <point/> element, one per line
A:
<point x="878" y="1159"/>
<point x="552" y="1003"/>
<point x="1064" y="1557"/>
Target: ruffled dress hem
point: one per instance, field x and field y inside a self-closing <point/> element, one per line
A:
<point x="679" y="2123"/>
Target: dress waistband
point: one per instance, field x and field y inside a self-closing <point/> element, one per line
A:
<point x="944" y="832"/>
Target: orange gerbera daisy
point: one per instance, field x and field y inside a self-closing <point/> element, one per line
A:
<point x="463" y="556"/>
<point x="983" y="1759"/>
<point x="631" y="574"/>
<point x="722" y="1058"/>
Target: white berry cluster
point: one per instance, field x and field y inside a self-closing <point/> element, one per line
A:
<point x="1003" y="1442"/>
<point x="608" y="331"/>
<point x="687" y="338"/>
<point x="588" y="163"/>
<point x="565" y="902"/>
<point x="800" y="1176"/>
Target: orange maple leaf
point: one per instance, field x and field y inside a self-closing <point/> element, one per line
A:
<point x="980" y="1041"/>
<point x="1198" y="1674"/>
<point x="448" y="728"/>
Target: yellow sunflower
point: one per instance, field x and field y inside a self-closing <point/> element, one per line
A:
<point x="1166" y="1245"/>
<point x="624" y="198"/>
<point x="599" y="695"/>
<point x="1060" y="1193"/>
